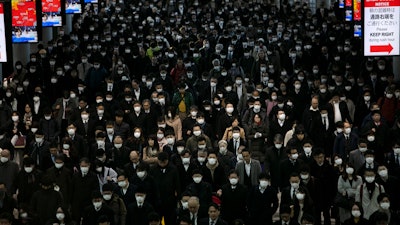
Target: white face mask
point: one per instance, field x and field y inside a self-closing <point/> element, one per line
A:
<point x="212" y="161"/>
<point x="60" y="216"/>
<point x="304" y="176"/>
<point x="4" y="159"/>
<point x="197" y="179"/>
<point x="369" y="179"/>
<point x="58" y="165"/>
<point x="201" y="159"/>
<point x="122" y="183"/>
<point x="295" y="185"/>
<point x="307" y="150"/>
<point x="107" y="197"/>
<point x="235" y="135"/>
<point x="264" y="183"/>
<point x="385" y="205"/>
<point x="349" y="170"/>
<point x="97" y="205"/>
<point x="118" y="146"/>
<point x="139" y="199"/>
<point x="141" y="174"/>
<point x="84" y="170"/>
<point x="197" y="133"/>
<point x="338" y="161"/>
<point x="233" y="181"/>
<point x="356" y="213"/>
<point x="278" y="146"/>
<point x="383" y="173"/>
<point x="28" y="169"/>
<point x="295" y="156"/>
<point x="369" y="160"/>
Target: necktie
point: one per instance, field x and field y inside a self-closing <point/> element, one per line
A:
<point x="294" y="194"/>
<point x="193" y="219"/>
<point x="236" y="145"/>
<point x="212" y="222"/>
<point x="85" y="124"/>
<point x="397" y="159"/>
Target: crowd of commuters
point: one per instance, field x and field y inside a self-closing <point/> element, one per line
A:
<point x="201" y="113"/>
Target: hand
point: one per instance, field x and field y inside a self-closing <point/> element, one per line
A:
<point x="189" y="132"/>
<point x="219" y="192"/>
<point x="15" y="213"/>
<point x="109" y="178"/>
<point x="344" y="193"/>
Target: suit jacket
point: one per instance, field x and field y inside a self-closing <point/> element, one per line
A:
<point x="71" y="105"/>
<point x="357" y="159"/>
<point x="287" y="168"/>
<point x="136" y="215"/>
<point x="206" y="221"/>
<point x="80" y="129"/>
<point x="233" y="202"/>
<point x="129" y="196"/>
<point x="273" y="157"/>
<point x="255" y="170"/>
<point x="339" y="146"/>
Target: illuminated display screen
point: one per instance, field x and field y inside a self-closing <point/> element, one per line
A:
<point x="51" y="13"/>
<point x="73" y="6"/>
<point x="3" y="51"/>
<point x="24" y="21"/>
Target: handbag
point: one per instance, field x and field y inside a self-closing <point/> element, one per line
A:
<point x="343" y="201"/>
<point x="20" y="142"/>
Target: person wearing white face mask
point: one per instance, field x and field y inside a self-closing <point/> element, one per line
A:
<point x="139" y="207"/>
<point x="356" y="216"/>
<point x="346" y="141"/>
<point x="262" y="195"/>
<point x="233" y="198"/>
<point x="248" y="170"/>
<point x="289" y="166"/>
<point x="390" y="183"/>
<point x="193" y="142"/>
<point x="369" y="162"/>
<point x="368" y="192"/>
<point x="202" y="189"/>
<point x="125" y="190"/>
<point x="386" y="207"/>
<point x="213" y="172"/>
<point x="347" y="186"/>
<point x="273" y="156"/>
<point x="83" y="184"/>
<point x="115" y="203"/>
<point x="325" y="189"/>
<point x="356" y="157"/>
<point x="97" y="208"/>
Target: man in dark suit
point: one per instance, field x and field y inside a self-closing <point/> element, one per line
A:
<point x="137" y="118"/>
<point x="213" y="216"/>
<point x="369" y="163"/>
<point x="83" y="184"/>
<point x="85" y="126"/>
<point x="125" y="190"/>
<point x="288" y="166"/>
<point x="233" y="199"/>
<point x="97" y="209"/>
<point x="273" y="156"/>
<point x="248" y="170"/>
<point x="138" y="210"/>
<point x="279" y="124"/>
<point x="167" y="179"/>
<point x="345" y="142"/>
<point x="356" y="157"/>
<point x="262" y="201"/>
<point x="77" y="141"/>
<point x="325" y="186"/>
<point x="130" y="168"/>
<point x="393" y="159"/>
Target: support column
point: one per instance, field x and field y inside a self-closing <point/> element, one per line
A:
<point x="68" y="23"/>
<point x="47" y="35"/>
<point x="21" y="52"/>
<point x="396" y="68"/>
